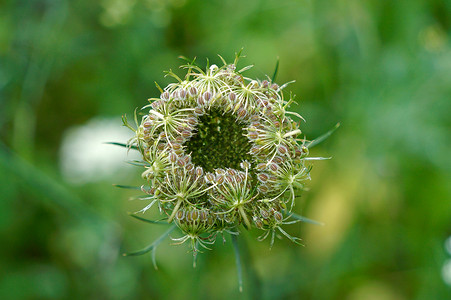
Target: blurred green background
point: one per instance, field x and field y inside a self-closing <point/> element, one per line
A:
<point x="70" y="69"/>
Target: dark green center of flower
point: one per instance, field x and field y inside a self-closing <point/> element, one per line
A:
<point x="219" y="142"/>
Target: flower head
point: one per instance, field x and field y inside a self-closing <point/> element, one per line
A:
<point x="221" y="150"/>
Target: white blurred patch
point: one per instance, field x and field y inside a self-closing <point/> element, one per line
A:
<point x="446" y="272"/>
<point x="448" y="245"/>
<point x="84" y="156"/>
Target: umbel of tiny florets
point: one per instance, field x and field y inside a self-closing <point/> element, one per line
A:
<point x="221" y="150"/>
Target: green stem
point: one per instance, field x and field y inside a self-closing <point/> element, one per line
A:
<point x="174" y="211"/>
<point x="238" y="262"/>
<point x="243" y="214"/>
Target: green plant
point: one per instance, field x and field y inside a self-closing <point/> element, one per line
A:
<point x="220" y="152"/>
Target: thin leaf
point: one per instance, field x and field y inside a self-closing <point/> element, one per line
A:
<point x="276" y="70"/>
<point x="245" y="69"/>
<point x="129" y="187"/>
<point x="223" y="60"/>
<point x="191" y="64"/>
<point x="291" y="238"/>
<point x="138" y="163"/>
<point x="323" y="137"/>
<point x="185" y="58"/>
<point x="147" y="220"/>
<point x="286" y="84"/>
<point x="126" y="124"/>
<point x="142" y="197"/>
<point x="122" y="145"/>
<point x="153" y="245"/>
<point x="173" y="75"/>
<point x="158" y="87"/>
<point x="238" y="262"/>
<point x="238" y="56"/>
<point x="302" y="219"/>
<point x="317" y="158"/>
